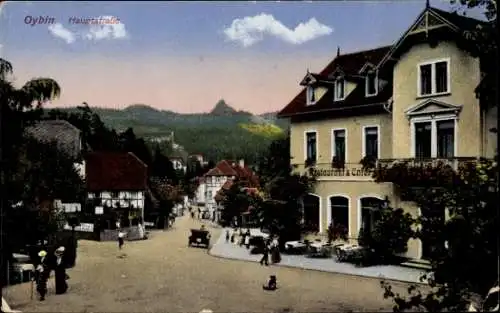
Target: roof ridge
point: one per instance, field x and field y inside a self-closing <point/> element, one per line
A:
<point x="364" y="51"/>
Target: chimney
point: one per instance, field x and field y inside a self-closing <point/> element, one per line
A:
<point x="242" y="163"/>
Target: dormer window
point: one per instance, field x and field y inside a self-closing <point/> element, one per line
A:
<point x="311" y="98"/>
<point x="339" y="92"/>
<point x="371" y="83"/>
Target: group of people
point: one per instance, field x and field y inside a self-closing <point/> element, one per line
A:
<point x="42" y="272"/>
<point x="271" y="247"/>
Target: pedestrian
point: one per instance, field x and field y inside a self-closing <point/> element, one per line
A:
<point x="121" y="236"/>
<point x="232" y="237"/>
<point x="265" y="255"/>
<point x="247" y="240"/>
<point x="60" y="271"/>
<point x="228" y="235"/>
<point x="275" y="251"/>
<point x="41" y="275"/>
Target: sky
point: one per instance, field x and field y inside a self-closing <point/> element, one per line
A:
<point x="185" y="56"/>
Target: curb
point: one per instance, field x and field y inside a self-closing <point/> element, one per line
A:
<point x="209" y="252"/>
<point x="6" y="308"/>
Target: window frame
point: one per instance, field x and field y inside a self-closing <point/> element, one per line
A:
<point x="433" y="78"/>
<point x="367" y="93"/>
<point x="335" y="94"/>
<point x="310" y="131"/>
<point x="334" y="143"/>
<point x="309" y="95"/>
<point x="434" y="142"/>
<point x="360" y="208"/>
<point x="363" y="135"/>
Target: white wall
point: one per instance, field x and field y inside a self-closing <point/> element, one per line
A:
<point x="201" y="192"/>
<point x="213" y="185"/>
<point x="122" y="198"/>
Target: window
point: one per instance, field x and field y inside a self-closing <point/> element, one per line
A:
<point x="311" y="99"/>
<point x="339" y="90"/>
<point x="423" y="140"/>
<point x="370" y="145"/>
<point x="445" y="139"/>
<point x="339" y="143"/>
<point x="370" y="212"/>
<point x="114" y="194"/>
<point x="434" y="139"/>
<point x="371" y="84"/>
<point x="339" y="208"/>
<point x="311" y="142"/>
<point x="433" y="78"/>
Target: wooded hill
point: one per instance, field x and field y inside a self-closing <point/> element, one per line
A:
<point x="221" y="133"/>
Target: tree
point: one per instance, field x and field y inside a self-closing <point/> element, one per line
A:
<point x="236" y="200"/>
<point x="464" y="256"/>
<point x="484" y="41"/>
<point x="283" y="190"/>
<point x="18" y="109"/>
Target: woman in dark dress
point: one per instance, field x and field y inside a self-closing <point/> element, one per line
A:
<point x="41" y="275"/>
<point x="60" y="272"/>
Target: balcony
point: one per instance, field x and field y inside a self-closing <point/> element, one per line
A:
<point x="453" y="163"/>
<point x="342" y="172"/>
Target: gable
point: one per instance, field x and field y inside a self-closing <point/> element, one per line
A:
<point x="429" y="21"/>
<point x="308" y="80"/>
<point x="433" y="107"/>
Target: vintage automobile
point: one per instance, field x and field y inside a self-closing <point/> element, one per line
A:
<point x="199" y="237"/>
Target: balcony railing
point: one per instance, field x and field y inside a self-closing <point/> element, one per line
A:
<point x="454" y="163"/>
<point x="343" y="171"/>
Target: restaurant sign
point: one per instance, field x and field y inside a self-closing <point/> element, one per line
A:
<point x="342" y="172"/>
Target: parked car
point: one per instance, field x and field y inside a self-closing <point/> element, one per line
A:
<point x="199" y="237"/>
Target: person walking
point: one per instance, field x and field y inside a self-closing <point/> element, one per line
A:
<point x="41" y="275"/>
<point x="247" y="239"/>
<point x="265" y="255"/>
<point x="60" y="271"/>
<point x="275" y="252"/>
<point x="121" y="236"/>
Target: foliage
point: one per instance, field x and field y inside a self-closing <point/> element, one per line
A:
<point x="464" y="258"/>
<point x="368" y="162"/>
<point x="237" y="200"/>
<point x="338" y="162"/>
<point x="266" y="130"/>
<point x="283" y="190"/>
<point x="390" y="233"/>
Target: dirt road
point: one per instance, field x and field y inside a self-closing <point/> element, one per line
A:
<point x="163" y="275"/>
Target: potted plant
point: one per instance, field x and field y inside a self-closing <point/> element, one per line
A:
<point x="338" y="162"/>
<point x="368" y="162"/>
<point x="310" y="162"/>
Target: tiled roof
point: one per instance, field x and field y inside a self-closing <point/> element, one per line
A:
<point x="350" y="64"/>
<point x="233" y="168"/>
<point x="115" y="171"/>
<point x="62" y="132"/>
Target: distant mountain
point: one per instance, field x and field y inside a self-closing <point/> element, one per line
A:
<point x="222" y="133"/>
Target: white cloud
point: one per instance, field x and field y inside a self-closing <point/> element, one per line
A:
<point x="251" y="29"/>
<point x="58" y="30"/>
<point x="106" y="31"/>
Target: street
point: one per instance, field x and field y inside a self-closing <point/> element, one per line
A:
<point x="163" y="274"/>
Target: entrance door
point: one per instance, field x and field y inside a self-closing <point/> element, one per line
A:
<point x="311" y="212"/>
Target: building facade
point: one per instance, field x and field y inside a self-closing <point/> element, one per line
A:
<point x="223" y="172"/>
<point x="414" y="100"/>
<point x="117" y="182"/>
